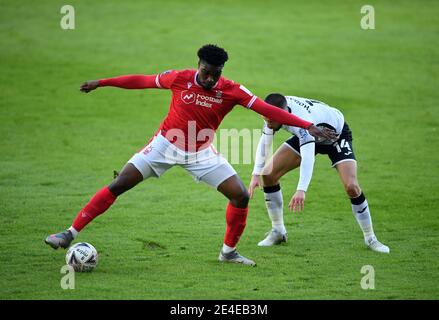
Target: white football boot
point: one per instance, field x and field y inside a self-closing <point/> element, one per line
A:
<point x="373" y="244"/>
<point x="273" y="237"/>
<point x="235" y="257"/>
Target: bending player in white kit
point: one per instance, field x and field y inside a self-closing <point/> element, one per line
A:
<point x="300" y="150"/>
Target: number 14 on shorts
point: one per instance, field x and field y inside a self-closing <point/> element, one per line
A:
<point x="343" y="145"/>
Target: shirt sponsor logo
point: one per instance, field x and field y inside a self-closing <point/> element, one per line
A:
<point x="189" y="97"/>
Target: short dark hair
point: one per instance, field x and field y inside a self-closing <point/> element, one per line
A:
<point x="276" y="99"/>
<point x="213" y="54"/>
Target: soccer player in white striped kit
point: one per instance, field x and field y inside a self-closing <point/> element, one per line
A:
<point x="300" y="151"/>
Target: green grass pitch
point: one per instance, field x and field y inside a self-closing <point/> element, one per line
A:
<point x="161" y="240"/>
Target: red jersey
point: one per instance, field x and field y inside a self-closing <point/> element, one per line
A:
<point x="194" y="109"/>
<point x="195" y="113"/>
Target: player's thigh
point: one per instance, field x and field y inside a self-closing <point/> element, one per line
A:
<point x="217" y="172"/>
<point x="209" y="167"/>
<point x="284" y="160"/>
<point x="343" y="159"/>
<point x="137" y="169"/>
<point x="155" y="158"/>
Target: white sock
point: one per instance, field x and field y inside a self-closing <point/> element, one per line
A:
<point x="227" y="249"/>
<point x="360" y="208"/>
<point x="274" y="203"/>
<point x="74" y="232"/>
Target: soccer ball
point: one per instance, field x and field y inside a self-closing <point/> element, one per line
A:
<point x="83" y="257"/>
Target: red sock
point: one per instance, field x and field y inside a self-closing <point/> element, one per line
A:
<point x="100" y="202"/>
<point x="235" y="218"/>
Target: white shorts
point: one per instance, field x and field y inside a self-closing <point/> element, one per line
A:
<point x="159" y="155"/>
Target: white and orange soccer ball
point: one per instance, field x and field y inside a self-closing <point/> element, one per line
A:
<point x="82" y="256"/>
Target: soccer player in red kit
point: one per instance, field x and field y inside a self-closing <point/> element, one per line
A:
<point x="200" y="100"/>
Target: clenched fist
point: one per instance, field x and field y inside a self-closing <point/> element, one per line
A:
<point x="89" y="86"/>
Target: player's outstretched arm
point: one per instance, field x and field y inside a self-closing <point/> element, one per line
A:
<point x="135" y="81"/>
<point x="289" y="119"/>
<point x="278" y="115"/>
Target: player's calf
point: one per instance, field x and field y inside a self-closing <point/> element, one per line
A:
<point x="98" y="204"/>
<point x="236" y="217"/>
<point x="361" y="211"/>
<point x="241" y="199"/>
<point x="274" y="203"/>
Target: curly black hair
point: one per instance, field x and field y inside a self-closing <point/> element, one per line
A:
<point x="213" y="54"/>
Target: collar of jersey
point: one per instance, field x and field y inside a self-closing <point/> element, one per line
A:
<point x="198" y="85"/>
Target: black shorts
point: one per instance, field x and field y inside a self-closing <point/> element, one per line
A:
<point x="339" y="151"/>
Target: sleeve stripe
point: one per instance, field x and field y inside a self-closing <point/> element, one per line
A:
<point x="249" y="105"/>
<point x="157" y="82"/>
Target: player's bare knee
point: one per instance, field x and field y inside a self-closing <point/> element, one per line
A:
<point x="270" y="180"/>
<point x="353" y="189"/>
<point x="121" y="184"/>
<point x="117" y="187"/>
<point x="241" y="199"/>
<point x="244" y="198"/>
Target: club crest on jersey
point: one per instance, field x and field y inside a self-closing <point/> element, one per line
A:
<point x="189" y="85"/>
<point x="188" y="96"/>
<point x="219" y="94"/>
